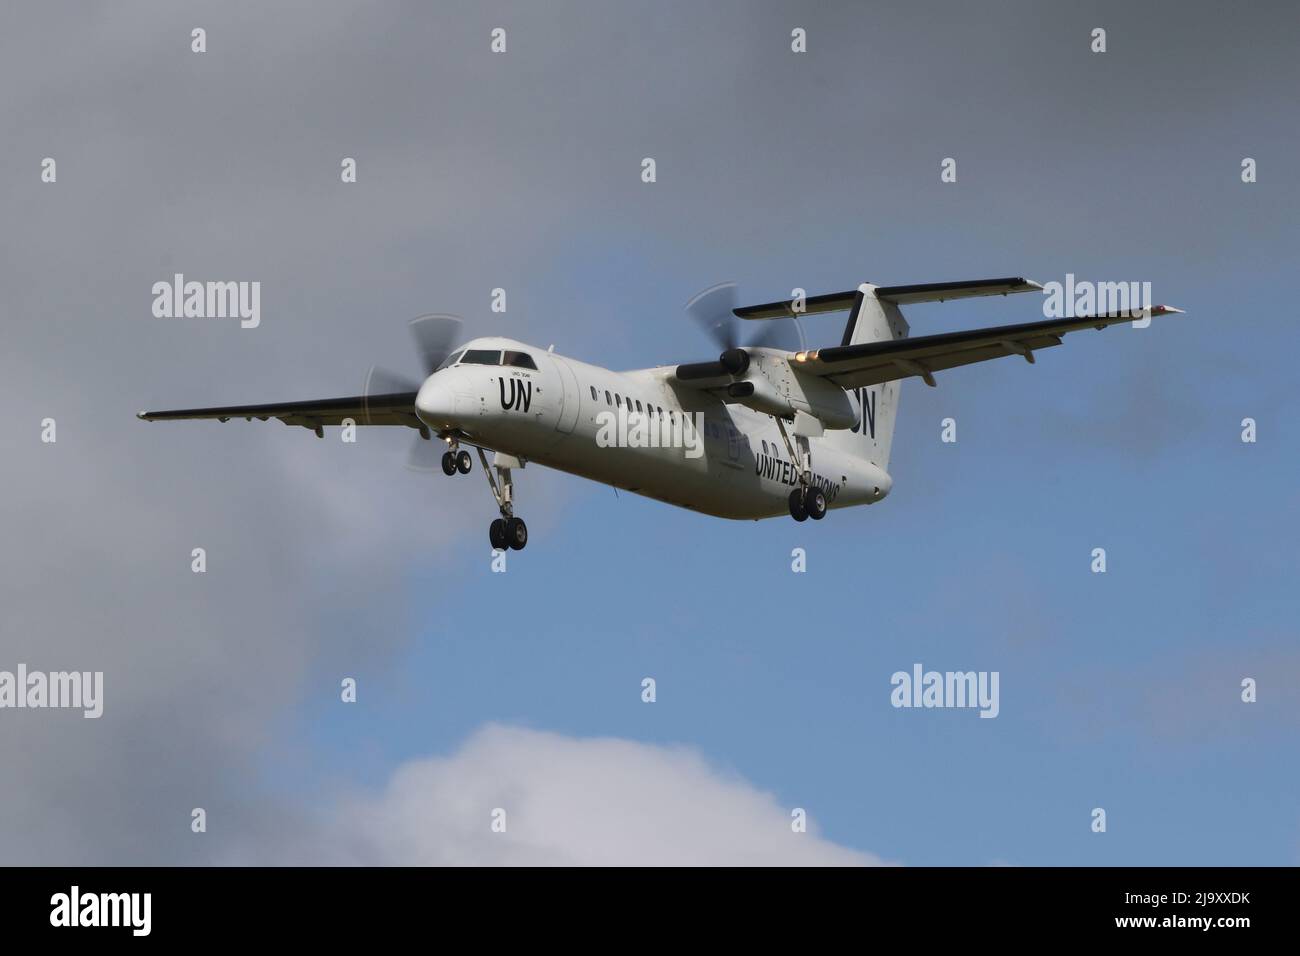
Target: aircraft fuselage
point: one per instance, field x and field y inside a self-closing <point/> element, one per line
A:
<point x="560" y="413"/>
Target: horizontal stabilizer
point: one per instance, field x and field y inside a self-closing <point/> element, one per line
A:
<point x="943" y="291"/>
<point x="898" y="294"/>
<point x="785" y="309"/>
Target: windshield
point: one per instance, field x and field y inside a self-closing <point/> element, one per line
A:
<point x="481" y="357"/>
<point x="490" y="357"/>
<point x="520" y="360"/>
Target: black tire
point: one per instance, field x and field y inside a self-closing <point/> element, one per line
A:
<point x="815" y="503"/>
<point x="797" y="510"/>
<point x="497" y="535"/>
<point x="516" y="533"/>
<point x="464" y="462"/>
<point x="448" y="464"/>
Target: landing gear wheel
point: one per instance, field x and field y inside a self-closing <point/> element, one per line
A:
<point x="448" y="463"/>
<point x="814" y="503"/>
<point x="463" y="462"/>
<point x="797" y="510"/>
<point x="516" y="533"/>
<point x="497" y="534"/>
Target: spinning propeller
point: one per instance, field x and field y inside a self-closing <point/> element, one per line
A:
<point x="435" y="337"/>
<point x="713" y="310"/>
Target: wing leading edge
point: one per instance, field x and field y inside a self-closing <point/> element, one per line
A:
<point x="871" y="363"/>
<point x="397" y="408"/>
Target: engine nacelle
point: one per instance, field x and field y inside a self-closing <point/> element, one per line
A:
<point x="759" y="394"/>
<point x="774" y="388"/>
<point x="823" y="400"/>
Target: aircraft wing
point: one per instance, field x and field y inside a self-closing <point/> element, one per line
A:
<point x="397" y="408"/>
<point x="870" y="363"/>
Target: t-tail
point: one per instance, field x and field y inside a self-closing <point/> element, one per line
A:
<point x="871" y="320"/>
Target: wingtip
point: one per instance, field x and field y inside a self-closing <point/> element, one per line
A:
<point x="1167" y="310"/>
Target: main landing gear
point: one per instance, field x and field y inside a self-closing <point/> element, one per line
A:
<point x="456" y="459"/>
<point x="806" y="501"/>
<point x="507" y="531"/>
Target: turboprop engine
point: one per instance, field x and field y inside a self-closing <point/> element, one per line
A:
<point x="756" y="374"/>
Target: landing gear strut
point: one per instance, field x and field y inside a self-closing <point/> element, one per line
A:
<point x="506" y="531"/>
<point x="806" y="501"/>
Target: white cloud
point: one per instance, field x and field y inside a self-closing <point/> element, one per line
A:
<point x="573" y="801"/>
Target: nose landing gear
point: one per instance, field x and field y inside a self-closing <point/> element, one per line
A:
<point x="506" y="532"/>
<point x="456" y="460"/>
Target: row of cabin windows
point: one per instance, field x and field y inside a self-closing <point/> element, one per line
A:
<point x="710" y="428"/>
<point x="617" y="399"/>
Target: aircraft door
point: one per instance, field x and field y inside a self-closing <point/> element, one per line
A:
<point x="570" y="398"/>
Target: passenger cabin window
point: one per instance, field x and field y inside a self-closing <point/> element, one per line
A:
<point x="593" y="393"/>
<point x="519" y="360"/>
<point x="638" y="404"/>
<point x="608" y="400"/>
<point x="481" y="357"/>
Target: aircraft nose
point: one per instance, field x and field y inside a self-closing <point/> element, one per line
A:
<point x="435" y="403"/>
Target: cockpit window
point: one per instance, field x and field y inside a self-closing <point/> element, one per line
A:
<point x="520" y="360"/>
<point x="451" y="360"/>
<point x="481" y="357"/>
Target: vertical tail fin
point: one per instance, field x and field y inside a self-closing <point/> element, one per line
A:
<point x="871" y="320"/>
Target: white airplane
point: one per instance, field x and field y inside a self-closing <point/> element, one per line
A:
<point x="759" y="432"/>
